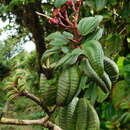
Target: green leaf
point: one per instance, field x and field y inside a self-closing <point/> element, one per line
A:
<point x="101" y="95"/>
<point x="93" y="75"/>
<point x="50" y="52"/>
<point x="113" y="44"/>
<point x="65" y="49"/>
<point x="121" y="94"/>
<point x="95" y="35"/>
<point x="68" y="35"/>
<point x="57" y="39"/>
<point x="100" y="4"/>
<point x="59" y="3"/>
<point x="91" y="3"/>
<point x="70" y="58"/>
<point x="68" y="84"/>
<point x="92" y="93"/>
<point x="88" y="25"/>
<point x="63" y="60"/>
<point x="66" y="115"/>
<point x="48" y="92"/>
<point x="82" y="84"/>
<point x="82" y="115"/>
<point x="93" y="120"/>
<point x="111" y="69"/>
<point x="93" y="50"/>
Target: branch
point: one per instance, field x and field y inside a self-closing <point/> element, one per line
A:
<point x="37" y="100"/>
<point x="42" y="122"/>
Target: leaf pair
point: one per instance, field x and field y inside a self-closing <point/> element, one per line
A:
<point x="79" y="115"/>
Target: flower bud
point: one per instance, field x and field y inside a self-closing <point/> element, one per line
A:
<point x="69" y="3"/>
<point x="52" y="21"/>
<point x="63" y="9"/>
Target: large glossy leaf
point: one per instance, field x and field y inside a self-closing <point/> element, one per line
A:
<point x="79" y="115"/>
<point x="88" y="25"/>
<point x="66" y="121"/>
<point x="93" y="50"/>
<point x="74" y="83"/>
<point x="68" y="84"/>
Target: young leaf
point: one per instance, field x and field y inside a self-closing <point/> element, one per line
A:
<point x="88" y="25"/>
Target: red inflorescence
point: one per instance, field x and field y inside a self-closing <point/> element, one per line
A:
<point x="63" y="9"/>
<point x="56" y="12"/>
<point x="52" y="21"/>
<point x="78" y="3"/>
<point x="69" y="3"/>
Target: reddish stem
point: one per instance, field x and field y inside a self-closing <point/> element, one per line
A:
<point x="61" y="16"/>
<point x="62" y="24"/>
<point x="73" y="7"/>
<point x="72" y="40"/>
<point x="77" y="38"/>
<point x="67" y="18"/>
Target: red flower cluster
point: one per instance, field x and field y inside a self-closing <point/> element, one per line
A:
<point x="69" y="3"/>
<point x="58" y="18"/>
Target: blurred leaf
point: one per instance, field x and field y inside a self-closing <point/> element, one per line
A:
<point x="91" y="3"/>
<point x="113" y="44"/>
<point x="100" y="4"/>
<point x="121" y="93"/>
<point x="59" y="3"/>
<point x="120" y="65"/>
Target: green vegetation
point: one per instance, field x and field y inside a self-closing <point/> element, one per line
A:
<point x="78" y="77"/>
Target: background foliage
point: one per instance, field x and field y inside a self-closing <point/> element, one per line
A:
<point x="113" y="110"/>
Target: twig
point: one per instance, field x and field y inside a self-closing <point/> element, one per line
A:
<point x="43" y="15"/>
<point x="67" y="18"/>
<point x="36" y="99"/>
<point x="42" y="122"/>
